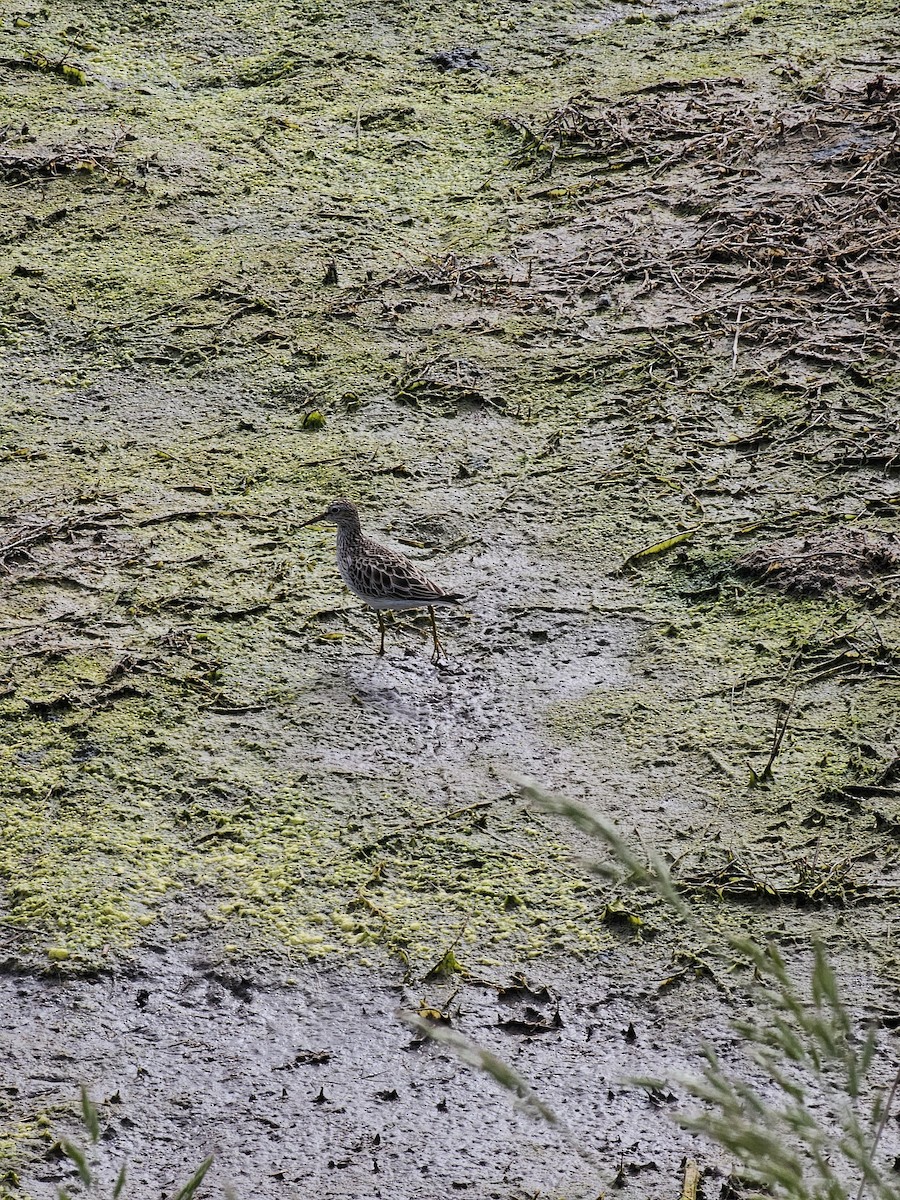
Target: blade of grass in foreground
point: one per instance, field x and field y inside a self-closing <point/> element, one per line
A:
<point x="509" y="1079"/>
<point x="190" y="1188"/>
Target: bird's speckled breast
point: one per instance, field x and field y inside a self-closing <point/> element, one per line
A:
<point x="348" y="547"/>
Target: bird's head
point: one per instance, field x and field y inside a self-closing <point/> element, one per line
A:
<point x="339" y="512"/>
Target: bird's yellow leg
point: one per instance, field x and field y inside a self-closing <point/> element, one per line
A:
<point x="438" y="648"/>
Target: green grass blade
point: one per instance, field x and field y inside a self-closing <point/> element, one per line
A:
<point x="190" y="1188"/>
<point x="468" y="1052"/>
<point x="668" y="543"/>
<point x="75" y="1155"/>
<point x="120" y="1183"/>
<point x="89" y="1115"/>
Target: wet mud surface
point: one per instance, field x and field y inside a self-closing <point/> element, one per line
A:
<point x="316" y="1085"/>
<point x="312" y="1081"/>
<point x="594" y="314"/>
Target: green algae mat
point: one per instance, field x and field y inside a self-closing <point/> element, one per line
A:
<point x="593" y="311"/>
<point x="550" y="294"/>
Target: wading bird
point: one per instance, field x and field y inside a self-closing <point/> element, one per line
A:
<point x="380" y="577"/>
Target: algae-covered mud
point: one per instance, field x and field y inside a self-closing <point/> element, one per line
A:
<point x="593" y="310"/>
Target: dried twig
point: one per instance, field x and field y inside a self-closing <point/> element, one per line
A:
<point x="737" y="333"/>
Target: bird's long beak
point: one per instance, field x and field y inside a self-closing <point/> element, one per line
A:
<point x="315" y="520"/>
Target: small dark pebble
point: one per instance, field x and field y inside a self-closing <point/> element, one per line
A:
<point x="458" y="58"/>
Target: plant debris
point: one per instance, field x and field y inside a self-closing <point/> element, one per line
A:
<point x="816" y="253"/>
<point x="857" y="562"/>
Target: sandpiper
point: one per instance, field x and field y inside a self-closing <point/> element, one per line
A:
<point x="382" y="578"/>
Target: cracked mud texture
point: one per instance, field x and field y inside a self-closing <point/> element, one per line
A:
<point x="585" y="307"/>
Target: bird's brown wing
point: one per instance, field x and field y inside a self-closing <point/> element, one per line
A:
<point x="379" y="573"/>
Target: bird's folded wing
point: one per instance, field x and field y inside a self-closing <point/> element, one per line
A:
<point x="397" y="578"/>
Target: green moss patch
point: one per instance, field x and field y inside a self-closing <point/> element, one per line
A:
<point x="294" y="251"/>
<point x="109" y="837"/>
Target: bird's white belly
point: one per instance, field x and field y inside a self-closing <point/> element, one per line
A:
<point x="379" y="602"/>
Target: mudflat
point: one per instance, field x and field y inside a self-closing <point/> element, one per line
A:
<point x="594" y="313"/>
